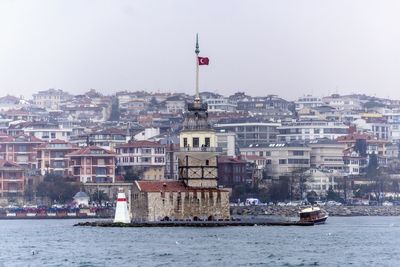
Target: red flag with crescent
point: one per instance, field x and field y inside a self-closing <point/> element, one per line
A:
<point x="203" y="60"/>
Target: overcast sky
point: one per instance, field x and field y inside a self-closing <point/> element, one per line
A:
<point x="283" y="47"/>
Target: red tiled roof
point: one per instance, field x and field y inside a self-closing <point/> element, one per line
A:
<point x="8" y="164"/>
<point x="58" y="141"/>
<point x="143" y="143"/>
<point x="354" y="136"/>
<point x="87" y="150"/>
<point x="28" y="138"/>
<point x="6" y="138"/>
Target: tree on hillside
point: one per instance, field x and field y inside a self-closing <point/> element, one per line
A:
<point x="99" y="196"/>
<point x="377" y="176"/>
<point x="115" y="113"/>
<point x="372" y="168"/>
<point x="332" y="195"/>
<point x="57" y="189"/>
<point x="361" y="147"/>
<point x="153" y="103"/>
<point x="298" y="182"/>
<point x="279" y="190"/>
<point x="373" y="104"/>
<point x="132" y="174"/>
<point x="312" y="197"/>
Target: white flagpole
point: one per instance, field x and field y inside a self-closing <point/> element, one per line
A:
<point x="197" y="51"/>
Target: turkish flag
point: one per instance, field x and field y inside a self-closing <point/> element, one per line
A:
<point x="203" y="60"/>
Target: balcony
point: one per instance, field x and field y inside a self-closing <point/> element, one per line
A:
<point x="201" y="149"/>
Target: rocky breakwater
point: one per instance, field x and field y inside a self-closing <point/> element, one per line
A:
<point x="289" y="211"/>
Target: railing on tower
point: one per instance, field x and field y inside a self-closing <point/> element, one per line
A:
<point x="200" y="149"/>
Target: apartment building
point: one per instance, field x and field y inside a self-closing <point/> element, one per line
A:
<point x="52" y="158"/>
<point x="326" y="154"/>
<point x="354" y="163"/>
<point x="232" y="171"/>
<point x="251" y="132"/>
<point x="342" y="102"/>
<point x="171" y="161"/>
<point x="260" y="104"/>
<point x="107" y="139"/>
<point x="20" y="149"/>
<point x="175" y="104"/>
<point x="308" y="101"/>
<point x="227" y="142"/>
<point x="281" y="159"/>
<point x="321" y="180"/>
<point x="92" y="164"/>
<point x="310" y="130"/>
<point x="145" y="156"/>
<point x="221" y="105"/>
<point x="50" y="99"/>
<point x="47" y="131"/>
<point x="12" y="179"/>
<point x="364" y="144"/>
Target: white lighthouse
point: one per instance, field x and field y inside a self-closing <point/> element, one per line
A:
<point x="121" y="211"/>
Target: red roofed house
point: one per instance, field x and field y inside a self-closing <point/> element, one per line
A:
<point x="92" y="164"/>
<point x="232" y="171"/>
<point x="11" y="179"/>
<point x="20" y="149"/>
<point x="372" y="144"/>
<point x="196" y="195"/>
<point x="52" y="157"/>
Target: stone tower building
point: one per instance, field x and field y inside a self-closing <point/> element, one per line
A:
<point x="195" y="196"/>
<point x="198" y="152"/>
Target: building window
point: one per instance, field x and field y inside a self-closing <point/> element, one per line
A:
<point x="196" y="142"/>
<point x="185" y="142"/>
<point x="298" y="153"/>
<point x="282" y="161"/>
<point x="207" y="162"/>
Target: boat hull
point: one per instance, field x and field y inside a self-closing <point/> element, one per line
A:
<point x="320" y="220"/>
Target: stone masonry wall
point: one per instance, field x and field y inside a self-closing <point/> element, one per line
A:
<point x="181" y="206"/>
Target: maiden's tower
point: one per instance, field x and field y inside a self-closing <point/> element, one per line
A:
<point x="195" y="196"/>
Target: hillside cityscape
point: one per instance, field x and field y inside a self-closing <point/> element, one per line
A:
<point x="338" y="148"/>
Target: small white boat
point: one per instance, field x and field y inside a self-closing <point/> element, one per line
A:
<point x="313" y="214"/>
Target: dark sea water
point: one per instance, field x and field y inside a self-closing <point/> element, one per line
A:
<point x="356" y="241"/>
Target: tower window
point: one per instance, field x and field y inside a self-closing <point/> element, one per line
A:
<point x="196" y="142"/>
<point x="207" y="142"/>
<point x="185" y="142"/>
<point x="207" y="162"/>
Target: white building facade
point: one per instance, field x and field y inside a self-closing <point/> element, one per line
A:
<point x="311" y="130"/>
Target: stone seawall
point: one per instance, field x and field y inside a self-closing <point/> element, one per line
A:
<point x="332" y="210"/>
